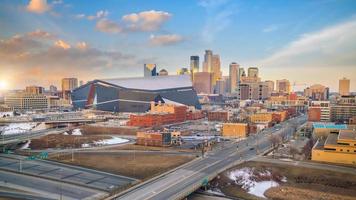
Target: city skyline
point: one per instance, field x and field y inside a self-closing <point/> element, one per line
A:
<point x="57" y="39"/>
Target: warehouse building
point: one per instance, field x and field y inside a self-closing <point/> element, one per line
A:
<point x="134" y="94"/>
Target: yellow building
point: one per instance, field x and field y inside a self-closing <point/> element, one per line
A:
<point x="236" y="130"/>
<point x="261" y="117"/>
<point x="337" y="148"/>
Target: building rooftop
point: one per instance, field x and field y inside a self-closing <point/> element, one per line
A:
<point x="329" y="125"/>
<point x="152" y="83"/>
<point x="331" y="139"/>
<point x="347" y="135"/>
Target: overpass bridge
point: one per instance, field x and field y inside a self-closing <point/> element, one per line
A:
<point x="20" y="137"/>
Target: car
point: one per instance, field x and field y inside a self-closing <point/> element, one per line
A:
<point x="252" y="148"/>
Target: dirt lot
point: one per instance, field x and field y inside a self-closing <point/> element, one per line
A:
<point x="98" y="130"/>
<point x="302" y="183"/>
<point x="64" y="141"/>
<point x="140" y="166"/>
<point x="149" y="148"/>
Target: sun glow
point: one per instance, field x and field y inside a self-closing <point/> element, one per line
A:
<point x="3" y="85"/>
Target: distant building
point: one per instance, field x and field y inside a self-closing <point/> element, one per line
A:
<point x="53" y="90"/>
<point x="252" y="72"/>
<point x="342" y="113"/>
<point x="270" y="85"/>
<point x="344" y="86"/>
<point x="163" y="72"/>
<point x="194" y="64"/>
<point x="208" y="60"/>
<point x="35" y="90"/>
<point x="220" y="87"/>
<point x="253" y="91"/>
<point x="68" y="84"/>
<point x="154" y="138"/>
<point x="317" y="92"/>
<point x="222" y="116"/>
<point x="337" y="148"/>
<point x="234" y="77"/>
<point x="183" y="71"/>
<point x="283" y="86"/>
<point x="202" y="82"/>
<point x="26" y="101"/>
<point x="215" y="68"/>
<point x="235" y="130"/>
<point x="149" y="70"/>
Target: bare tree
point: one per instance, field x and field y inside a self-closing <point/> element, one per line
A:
<point x="293" y="150"/>
<point x="275" y="141"/>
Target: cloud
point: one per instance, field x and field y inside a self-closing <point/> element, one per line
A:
<point x="82" y="45"/>
<point x="41" y="34"/>
<point x="99" y="15"/>
<point x="270" y="28"/>
<point x="331" y="46"/>
<point x="61" y="44"/>
<point x="28" y="59"/>
<point x="38" y="6"/>
<point x="108" y="26"/>
<point x="146" y="21"/>
<point x="161" y="40"/>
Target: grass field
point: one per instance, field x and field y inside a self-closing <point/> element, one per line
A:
<point x="140" y="166"/>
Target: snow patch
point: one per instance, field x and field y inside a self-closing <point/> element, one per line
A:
<point x="16" y="128"/>
<point x="215" y="191"/>
<point x="26" y="145"/>
<point x="65" y="133"/>
<point x="113" y="140"/>
<point x="76" y="132"/>
<point x="247" y="178"/>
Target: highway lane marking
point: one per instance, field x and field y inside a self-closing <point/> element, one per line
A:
<point x="180" y="180"/>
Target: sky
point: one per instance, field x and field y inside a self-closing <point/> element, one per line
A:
<point x="307" y="42"/>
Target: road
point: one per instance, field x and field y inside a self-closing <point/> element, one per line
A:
<point x="188" y="178"/>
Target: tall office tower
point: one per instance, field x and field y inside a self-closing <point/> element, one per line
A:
<point x="34" y="90"/>
<point x="242" y="72"/>
<point x="194" y="64"/>
<point x="270" y="85"/>
<point x="202" y="82"/>
<point x="68" y="84"/>
<point x="344" y="86"/>
<point x="220" y="87"/>
<point x="149" y="70"/>
<point x="234" y="77"/>
<point x="208" y="59"/>
<point x="252" y="72"/>
<point x="283" y="86"/>
<point x="215" y="68"/>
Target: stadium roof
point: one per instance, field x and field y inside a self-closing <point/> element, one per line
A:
<point x="152" y="83"/>
<point x="329" y="125"/>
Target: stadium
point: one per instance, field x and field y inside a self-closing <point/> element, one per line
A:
<point x="134" y="94"/>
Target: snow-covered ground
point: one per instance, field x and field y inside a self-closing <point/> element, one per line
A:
<point x="76" y="132"/>
<point x="195" y="137"/>
<point x="215" y="191"/>
<point x="247" y="178"/>
<point x="26" y="145"/>
<point x="16" y="128"/>
<point x="113" y="140"/>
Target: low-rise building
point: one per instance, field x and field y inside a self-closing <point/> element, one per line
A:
<point x="319" y="111"/>
<point x="154" y="138"/>
<point x="337" y="148"/>
<point x="222" y="116"/>
<point x="26" y="101"/>
<point x="261" y="117"/>
<point x="322" y="130"/>
<point x="235" y="130"/>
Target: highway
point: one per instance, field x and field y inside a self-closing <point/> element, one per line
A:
<point x="15" y="138"/>
<point x="184" y="180"/>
